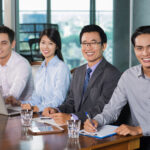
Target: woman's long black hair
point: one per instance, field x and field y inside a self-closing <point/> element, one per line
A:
<point x="54" y="36"/>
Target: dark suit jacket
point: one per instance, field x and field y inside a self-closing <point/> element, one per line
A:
<point x="99" y="90"/>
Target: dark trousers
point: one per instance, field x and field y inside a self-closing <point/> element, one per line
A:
<point x="145" y="143"/>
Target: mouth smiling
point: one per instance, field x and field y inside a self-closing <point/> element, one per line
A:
<point x="146" y="60"/>
<point x="89" y="53"/>
<point x="45" y="52"/>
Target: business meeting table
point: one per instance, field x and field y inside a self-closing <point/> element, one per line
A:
<point x="15" y="137"/>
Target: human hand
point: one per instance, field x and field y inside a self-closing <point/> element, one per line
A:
<point x="26" y="106"/>
<point x="35" y="109"/>
<point x="128" y="130"/>
<point x="60" y="118"/>
<point x="47" y="111"/>
<point x="89" y="127"/>
<point x="11" y="100"/>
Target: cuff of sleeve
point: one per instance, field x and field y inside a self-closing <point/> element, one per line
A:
<point x="74" y="117"/>
<point x="25" y="102"/>
<point x="145" y="130"/>
<point x="99" y="118"/>
<point x="58" y="109"/>
<point x="41" y="108"/>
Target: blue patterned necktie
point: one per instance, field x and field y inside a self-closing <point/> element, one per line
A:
<point x="87" y="77"/>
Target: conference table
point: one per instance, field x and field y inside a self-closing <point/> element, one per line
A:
<point x="15" y="137"/>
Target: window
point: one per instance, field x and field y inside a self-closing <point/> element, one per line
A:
<point x="70" y="16"/>
<point x="1" y="12"/>
<point x="104" y="18"/>
<point x="30" y="14"/>
<point x="32" y="21"/>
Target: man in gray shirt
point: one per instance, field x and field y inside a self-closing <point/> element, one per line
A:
<point x="134" y="88"/>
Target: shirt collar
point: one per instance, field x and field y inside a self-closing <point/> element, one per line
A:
<point x="140" y="72"/>
<point x="51" y="62"/>
<point x="94" y="67"/>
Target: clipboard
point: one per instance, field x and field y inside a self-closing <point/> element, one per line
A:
<point x="103" y="132"/>
<point x="45" y="129"/>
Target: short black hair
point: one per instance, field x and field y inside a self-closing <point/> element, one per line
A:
<point x="54" y="36"/>
<point x="139" y="31"/>
<point x="8" y="31"/>
<point x="94" y="28"/>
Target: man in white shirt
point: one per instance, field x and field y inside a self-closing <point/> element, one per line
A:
<point x="15" y="71"/>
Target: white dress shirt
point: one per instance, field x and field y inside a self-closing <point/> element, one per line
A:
<point x="16" y="78"/>
<point x="51" y="84"/>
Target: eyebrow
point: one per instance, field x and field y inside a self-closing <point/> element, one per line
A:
<point x="93" y="40"/>
<point x="138" y="46"/>
<point x="141" y="46"/>
<point x="4" y="41"/>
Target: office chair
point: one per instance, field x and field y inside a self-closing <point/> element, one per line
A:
<point x="35" y="50"/>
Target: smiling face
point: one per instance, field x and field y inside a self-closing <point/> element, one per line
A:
<point x="47" y="48"/>
<point x="142" y="51"/>
<point x="5" y="48"/>
<point x="92" y="49"/>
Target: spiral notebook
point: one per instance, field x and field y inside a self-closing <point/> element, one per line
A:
<point x="102" y="132"/>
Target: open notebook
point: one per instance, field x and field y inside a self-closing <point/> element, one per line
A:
<point x="102" y="132"/>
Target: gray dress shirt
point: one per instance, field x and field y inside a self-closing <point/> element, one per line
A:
<point x="134" y="88"/>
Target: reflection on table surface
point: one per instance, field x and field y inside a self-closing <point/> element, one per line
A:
<point x="14" y="136"/>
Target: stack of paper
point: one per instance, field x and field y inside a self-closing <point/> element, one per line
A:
<point x="47" y="120"/>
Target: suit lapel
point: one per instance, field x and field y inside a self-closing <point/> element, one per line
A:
<point x="82" y="78"/>
<point x="96" y="74"/>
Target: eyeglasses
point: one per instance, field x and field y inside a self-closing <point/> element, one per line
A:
<point x="92" y="44"/>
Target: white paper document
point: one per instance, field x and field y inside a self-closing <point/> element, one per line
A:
<point x="104" y="131"/>
<point x="47" y="120"/>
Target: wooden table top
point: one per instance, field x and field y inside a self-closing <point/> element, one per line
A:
<point x="15" y="137"/>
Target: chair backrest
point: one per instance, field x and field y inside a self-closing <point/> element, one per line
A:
<point x="34" y="49"/>
<point x="34" y="43"/>
<point x="72" y="70"/>
<point x="35" y="66"/>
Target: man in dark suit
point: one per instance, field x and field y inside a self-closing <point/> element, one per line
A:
<point x="92" y="84"/>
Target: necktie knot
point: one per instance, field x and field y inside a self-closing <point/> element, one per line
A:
<point x="89" y="70"/>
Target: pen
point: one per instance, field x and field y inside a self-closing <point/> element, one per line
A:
<point x="44" y="118"/>
<point x="89" y="119"/>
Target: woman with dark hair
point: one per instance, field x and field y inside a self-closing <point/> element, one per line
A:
<point x="53" y="77"/>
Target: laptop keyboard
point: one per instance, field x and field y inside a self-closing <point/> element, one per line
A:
<point x="11" y="111"/>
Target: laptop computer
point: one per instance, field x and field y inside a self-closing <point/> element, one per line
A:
<point x="8" y="109"/>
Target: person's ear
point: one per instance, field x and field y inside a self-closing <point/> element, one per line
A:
<point x="104" y="46"/>
<point x="13" y="44"/>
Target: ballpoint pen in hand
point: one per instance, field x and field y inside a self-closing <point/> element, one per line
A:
<point x="89" y="119"/>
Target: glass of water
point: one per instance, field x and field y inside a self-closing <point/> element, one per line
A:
<point x="26" y="117"/>
<point x="73" y="128"/>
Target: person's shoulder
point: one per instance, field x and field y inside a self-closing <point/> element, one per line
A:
<point x="61" y="64"/>
<point x="80" y="68"/>
<point x="111" y="68"/>
<point x="20" y="60"/>
<point x="135" y="70"/>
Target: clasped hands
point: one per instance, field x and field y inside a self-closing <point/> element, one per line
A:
<point x="121" y="130"/>
<point x="59" y="118"/>
<point x="11" y="100"/>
